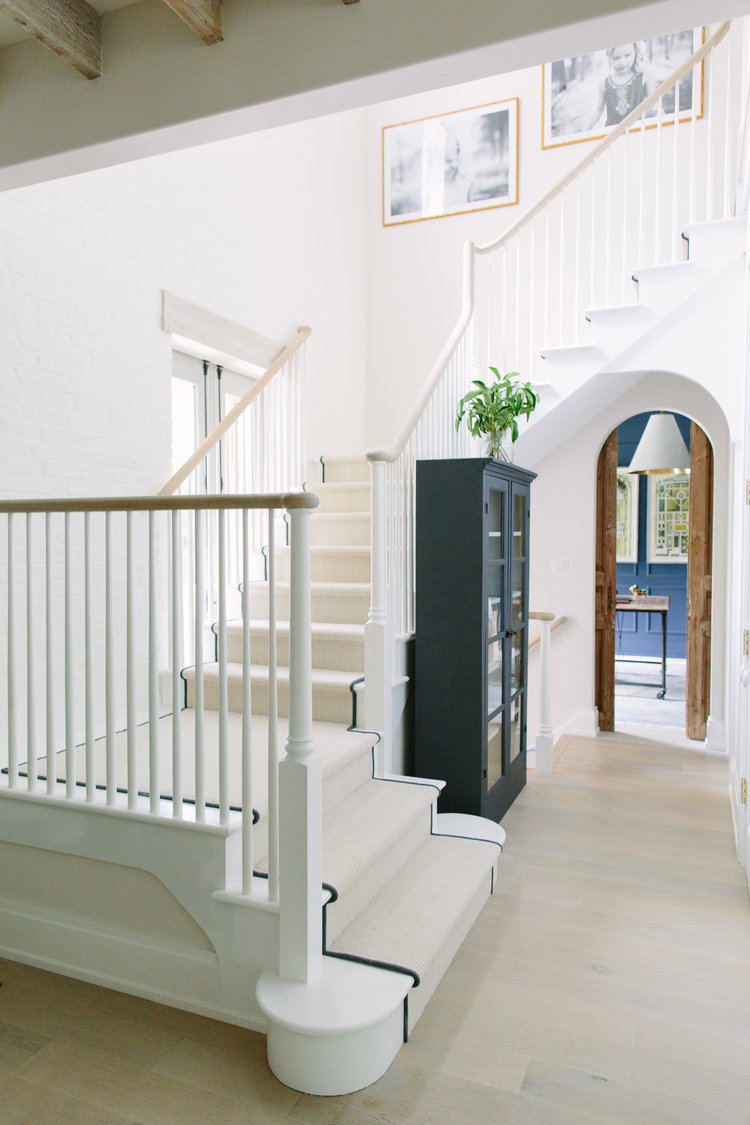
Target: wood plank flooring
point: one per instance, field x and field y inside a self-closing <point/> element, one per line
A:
<point x="607" y="980"/>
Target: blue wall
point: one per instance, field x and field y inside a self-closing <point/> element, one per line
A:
<point x="639" y="634"/>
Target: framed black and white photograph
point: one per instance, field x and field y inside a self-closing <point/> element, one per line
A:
<point x="462" y="161"/>
<point x="585" y="96"/>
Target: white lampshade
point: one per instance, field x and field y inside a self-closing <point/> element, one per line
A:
<point x="661" y="448"/>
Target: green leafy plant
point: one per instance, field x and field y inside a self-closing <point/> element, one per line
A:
<point x="492" y="409"/>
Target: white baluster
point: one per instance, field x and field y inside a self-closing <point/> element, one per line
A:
<point x="300" y="845"/>
<point x="247" y="718"/>
<point x="49" y="656"/>
<point x="88" y="615"/>
<point x="131" y="688"/>
<point x="154" y="771"/>
<point x="31" y="758"/>
<point x="200" y="726"/>
<point x="273" y="718"/>
<point x="223" y="686"/>
<point x="11" y="652"/>
<point x="109" y="664"/>
<point x="70" y="663"/>
<point x="177" y="688"/>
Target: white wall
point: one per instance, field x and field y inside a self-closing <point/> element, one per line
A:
<point x="414" y="269"/>
<point x="265" y="230"/>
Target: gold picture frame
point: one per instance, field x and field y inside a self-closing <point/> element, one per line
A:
<point x="585" y="96"/>
<point x="450" y="164"/>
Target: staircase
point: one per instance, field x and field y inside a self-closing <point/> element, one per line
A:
<point x="404" y="883"/>
<point x="672" y="306"/>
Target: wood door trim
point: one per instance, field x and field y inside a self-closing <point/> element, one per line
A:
<point x="699" y="579"/>
<point x="606" y="582"/>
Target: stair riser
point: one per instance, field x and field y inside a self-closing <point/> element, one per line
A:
<point x="663" y="288"/>
<point x="328" y="567"/>
<point x="343" y="497"/>
<point x="343" y="655"/>
<point x="337" y="786"/>
<point x="331" y="703"/>
<point x="342" y="607"/>
<point x="380" y="872"/>
<point x="429" y="980"/>
<point x="346" y="470"/>
<point x="340" y="530"/>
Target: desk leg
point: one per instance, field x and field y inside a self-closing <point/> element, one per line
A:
<point x="660" y="694"/>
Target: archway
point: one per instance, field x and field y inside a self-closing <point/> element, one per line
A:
<point x="676" y="559"/>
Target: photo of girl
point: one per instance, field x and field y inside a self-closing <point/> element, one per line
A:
<point x="585" y="95"/>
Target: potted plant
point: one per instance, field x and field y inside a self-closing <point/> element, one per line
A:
<point x="492" y="410"/>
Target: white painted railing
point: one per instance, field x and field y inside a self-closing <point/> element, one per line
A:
<point x="623" y="207"/>
<point x="544" y="743"/>
<point x="89" y="611"/>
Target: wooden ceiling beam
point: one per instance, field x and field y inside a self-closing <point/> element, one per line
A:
<point x="202" y="16"/>
<point x="70" y="28"/>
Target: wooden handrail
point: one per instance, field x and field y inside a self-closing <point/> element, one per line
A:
<point x="281" y="500"/>
<point x="209" y="442"/>
<point x="471" y="249"/>
<point x="558" y="621"/>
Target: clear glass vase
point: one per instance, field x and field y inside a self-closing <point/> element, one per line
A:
<point x="498" y="446"/>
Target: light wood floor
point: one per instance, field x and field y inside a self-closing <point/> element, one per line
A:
<point x="607" y="980"/>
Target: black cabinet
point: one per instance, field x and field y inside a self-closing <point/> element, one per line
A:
<point x="471" y="642"/>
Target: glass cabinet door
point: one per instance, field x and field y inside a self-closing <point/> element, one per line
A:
<point x="496" y="500"/>
<point x="519" y="627"/>
<point x="506" y="578"/>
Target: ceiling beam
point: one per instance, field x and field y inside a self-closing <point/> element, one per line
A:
<point x="70" y="28"/>
<point x="203" y="16"/>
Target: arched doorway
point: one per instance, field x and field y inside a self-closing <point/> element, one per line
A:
<point x="698" y="615"/>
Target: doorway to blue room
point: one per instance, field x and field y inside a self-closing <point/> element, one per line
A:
<point x="652" y="551"/>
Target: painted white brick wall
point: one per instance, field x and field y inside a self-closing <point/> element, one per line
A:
<point x="266" y="230"/>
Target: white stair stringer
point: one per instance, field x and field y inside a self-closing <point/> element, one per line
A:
<point x="670" y="334"/>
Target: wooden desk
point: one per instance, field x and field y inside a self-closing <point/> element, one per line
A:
<point x="650" y="604"/>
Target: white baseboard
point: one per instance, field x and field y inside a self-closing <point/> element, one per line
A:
<point x="716" y="734"/>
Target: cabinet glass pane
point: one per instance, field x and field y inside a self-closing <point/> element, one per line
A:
<point x="495" y="573"/>
<point x="516" y="660"/>
<point x="518" y="580"/>
<point x="515" y="727"/>
<point x="495" y="513"/>
<point x="494" y="751"/>
<point x="494" y="676"/>
<point x="519" y="525"/>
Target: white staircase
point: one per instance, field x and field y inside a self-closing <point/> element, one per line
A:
<point x="629" y="340"/>
<point x="402" y="890"/>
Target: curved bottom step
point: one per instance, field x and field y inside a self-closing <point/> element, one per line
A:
<point x="336" y="1034"/>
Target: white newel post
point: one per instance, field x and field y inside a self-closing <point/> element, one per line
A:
<point x="378" y="629"/>
<point x="544" y="739"/>
<point x="300" y="789"/>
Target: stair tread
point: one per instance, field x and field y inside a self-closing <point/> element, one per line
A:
<point x="361" y="828"/>
<point x="409" y="920"/>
